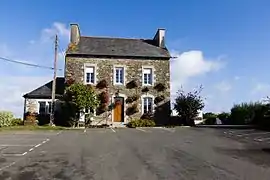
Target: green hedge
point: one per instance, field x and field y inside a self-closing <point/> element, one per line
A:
<point x="141" y="123"/>
<point x="246" y="113"/>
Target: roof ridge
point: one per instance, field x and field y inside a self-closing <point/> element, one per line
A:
<point x="108" y="37"/>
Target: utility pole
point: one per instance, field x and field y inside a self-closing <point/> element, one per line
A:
<point x="54" y="81"/>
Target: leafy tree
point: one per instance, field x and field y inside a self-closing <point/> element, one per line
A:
<point x="81" y="97"/>
<point x="188" y="104"/>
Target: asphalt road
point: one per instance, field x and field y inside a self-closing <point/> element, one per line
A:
<point x="129" y="154"/>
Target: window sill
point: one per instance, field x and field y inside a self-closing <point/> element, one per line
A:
<point x="147" y="85"/>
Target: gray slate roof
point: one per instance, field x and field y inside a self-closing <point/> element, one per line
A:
<point x="45" y="91"/>
<point x="103" y="46"/>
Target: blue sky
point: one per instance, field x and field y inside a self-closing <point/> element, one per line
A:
<point x="223" y="45"/>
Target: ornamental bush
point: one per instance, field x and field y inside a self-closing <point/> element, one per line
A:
<point x="141" y="123"/>
<point x="6" y="118"/>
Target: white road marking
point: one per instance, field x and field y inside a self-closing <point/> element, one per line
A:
<point x="31" y="149"/>
<point x="241" y="131"/>
<point x="258" y="133"/>
<point x="3" y="168"/>
<point x="10" y="154"/>
<point x="168" y="129"/>
<point x="112" y="129"/>
<point x="84" y="131"/>
<point x="59" y="132"/>
<point x="37" y="145"/>
<point x="262" y="139"/>
<point x="141" y="129"/>
<point x="12" y="145"/>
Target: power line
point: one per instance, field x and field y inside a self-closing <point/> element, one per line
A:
<point x="27" y="64"/>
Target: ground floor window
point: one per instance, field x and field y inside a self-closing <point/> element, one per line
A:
<point x="147" y="105"/>
<point x="44" y="107"/>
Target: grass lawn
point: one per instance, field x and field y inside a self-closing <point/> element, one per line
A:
<point x="33" y="128"/>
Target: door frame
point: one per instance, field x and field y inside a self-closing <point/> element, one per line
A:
<point x="124" y="107"/>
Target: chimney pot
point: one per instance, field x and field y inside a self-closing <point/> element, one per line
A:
<point x="160" y="37"/>
<point x="74" y="33"/>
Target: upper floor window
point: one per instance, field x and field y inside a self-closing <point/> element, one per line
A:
<point x="89" y="75"/>
<point x="147" y="76"/>
<point x="119" y="75"/>
<point x="147" y="104"/>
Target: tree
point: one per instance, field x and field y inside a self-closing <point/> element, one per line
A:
<point x="188" y="104"/>
<point x="81" y="97"/>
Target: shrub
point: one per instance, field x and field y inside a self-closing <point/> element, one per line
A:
<point x="209" y="114"/>
<point x="132" y="109"/>
<point x="145" y="89"/>
<point x="188" y="104"/>
<point x="104" y="97"/>
<point x="224" y="117"/>
<point x="148" y="116"/>
<point x="160" y="87"/>
<point x="43" y="119"/>
<point x="102" y="84"/>
<point x="17" y="122"/>
<point x="133" y="98"/>
<point x="6" y="118"/>
<point x="210" y="120"/>
<point x="158" y="99"/>
<point x="132" y="84"/>
<point x="245" y="113"/>
<point x="141" y="123"/>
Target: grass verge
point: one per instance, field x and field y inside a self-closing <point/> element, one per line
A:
<point x="32" y="128"/>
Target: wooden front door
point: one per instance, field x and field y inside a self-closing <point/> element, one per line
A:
<point x="118" y="114"/>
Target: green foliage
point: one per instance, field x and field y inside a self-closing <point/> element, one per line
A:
<point x="67" y="115"/>
<point x="245" y="113"/>
<point x="210" y="120"/>
<point x="224" y="117"/>
<point x="188" y="104"/>
<point x="43" y="119"/>
<point x="17" y="122"/>
<point x="209" y="115"/>
<point x="147" y="116"/>
<point x="141" y="123"/>
<point x="82" y="96"/>
<point x="6" y="118"/>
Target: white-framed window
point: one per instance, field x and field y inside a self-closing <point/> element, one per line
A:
<point x="44" y="107"/>
<point x="119" y="75"/>
<point x="147" y="106"/>
<point x="89" y="75"/>
<point x="147" y="76"/>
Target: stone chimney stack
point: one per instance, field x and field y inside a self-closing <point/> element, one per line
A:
<point x="74" y="33"/>
<point x="160" y="37"/>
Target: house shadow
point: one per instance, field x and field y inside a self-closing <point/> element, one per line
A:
<point x="162" y="113"/>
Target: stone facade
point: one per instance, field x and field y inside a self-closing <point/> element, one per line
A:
<point x="104" y="69"/>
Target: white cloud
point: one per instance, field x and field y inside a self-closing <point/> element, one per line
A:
<point x="58" y="28"/>
<point x="12" y="88"/>
<point x="261" y="88"/>
<point x="17" y="80"/>
<point x="223" y="86"/>
<point x="191" y="64"/>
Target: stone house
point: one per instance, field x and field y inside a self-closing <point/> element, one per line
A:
<point x="132" y="75"/>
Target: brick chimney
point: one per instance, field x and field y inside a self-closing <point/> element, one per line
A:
<point x="160" y="37"/>
<point x="74" y="33"/>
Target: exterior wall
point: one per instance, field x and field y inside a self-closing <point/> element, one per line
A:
<point x="32" y="105"/>
<point x="133" y="70"/>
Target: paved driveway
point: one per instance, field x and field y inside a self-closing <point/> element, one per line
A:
<point x="141" y="154"/>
